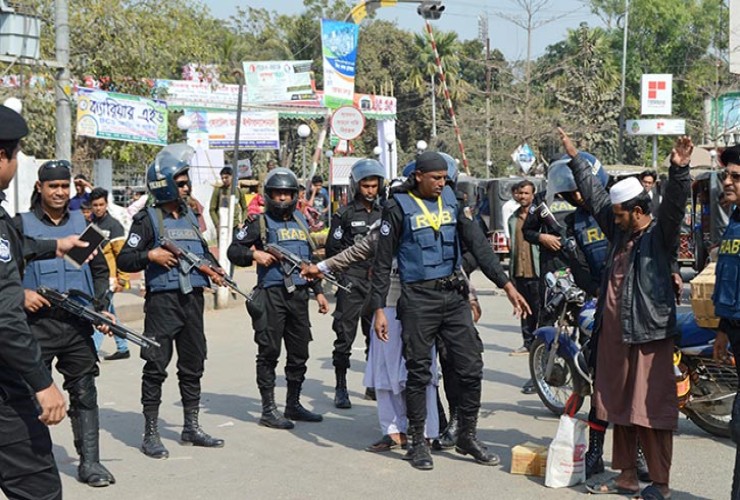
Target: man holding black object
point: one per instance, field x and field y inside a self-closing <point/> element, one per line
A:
<point x="27" y="466"/>
<point x="61" y="335"/>
<point x="174" y="296"/>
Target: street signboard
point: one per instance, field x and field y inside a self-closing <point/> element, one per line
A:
<point x="656" y="127"/>
<point x="656" y="97"/>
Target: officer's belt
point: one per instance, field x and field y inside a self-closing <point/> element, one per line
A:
<point x="454" y="282"/>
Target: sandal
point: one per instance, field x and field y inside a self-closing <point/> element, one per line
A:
<point x="386" y="443"/>
<point x="652" y="492"/>
<point x="609" y="487"/>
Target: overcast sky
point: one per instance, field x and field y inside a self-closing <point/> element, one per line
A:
<point x="462" y="17"/>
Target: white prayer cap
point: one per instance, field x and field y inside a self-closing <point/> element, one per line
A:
<point x="625" y="190"/>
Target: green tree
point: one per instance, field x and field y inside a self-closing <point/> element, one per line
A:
<point x="584" y="89"/>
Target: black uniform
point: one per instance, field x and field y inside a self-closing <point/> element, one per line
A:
<point x="434" y="308"/>
<point x="438" y="312"/>
<point x="348" y="226"/>
<point x="173" y="318"/>
<point x="279" y="311"/>
<point x="532" y="228"/>
<point x="69" y="338"/>
<point x="27" y="466"/>
<point x="286" y="314"/>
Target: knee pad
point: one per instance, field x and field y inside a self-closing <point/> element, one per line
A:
<point x="83" y="395"/>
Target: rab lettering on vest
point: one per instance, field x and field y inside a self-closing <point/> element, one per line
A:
<point x="291" y="234"/>
<point x="421" y="220"/>
<point x="181" y="234"/>
<point x="731" y="247"/>
<point x="593" y="235"/>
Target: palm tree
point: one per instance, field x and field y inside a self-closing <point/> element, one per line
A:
<point x="448" y="47"/>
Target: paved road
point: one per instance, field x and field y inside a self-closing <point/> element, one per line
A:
<point x="326" y="460"/>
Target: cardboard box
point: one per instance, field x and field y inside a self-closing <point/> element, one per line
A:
<point x="529" y="459"/>
<point x="702" y="287"/>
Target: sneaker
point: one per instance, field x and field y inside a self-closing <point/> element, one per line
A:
<point x="519" y="351"/>
<point x="118" y="355"/>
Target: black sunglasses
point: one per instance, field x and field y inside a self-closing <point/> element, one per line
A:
<point x="723" y="174"/>
<point x="182" y="184"/>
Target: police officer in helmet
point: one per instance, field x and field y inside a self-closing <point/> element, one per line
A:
<point x="422" y="228"/>
<point x="279" y="309"/>
<point x="174" y="296"/>
<point x="348" y="226"/>
<point x="60" y="334"/>
<point x="589" y="261"/>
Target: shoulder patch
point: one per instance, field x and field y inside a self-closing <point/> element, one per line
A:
<point x="532" y="208"/>
<point x="141" y="214"/>
<point x="5" y="250"/>
<point x="133" y="240"/>
<point x="242" y="233"/>
<point x="385" y="228"/>
<point x="338" y="233"/>
<point x="468" y="213"/>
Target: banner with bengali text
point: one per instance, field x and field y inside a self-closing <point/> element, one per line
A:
<point x="121" y="117"/>
<point x="259" y="129"/>
<point x="278" y="81"/>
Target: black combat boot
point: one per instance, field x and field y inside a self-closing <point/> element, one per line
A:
<point x="294" y="410"/>
<point x="152" y="445"/>
<point x="85" y="427"/>
<point x="341" y="397"/>
<point x="193" y="433"/>
<point x="595" y="453"/>
<point x="270" y="415"/>
<point x="468" y="444"/>
<point x="449" y="437"/>
<point x="418" y="452"/>
<point x="643" y="474"/>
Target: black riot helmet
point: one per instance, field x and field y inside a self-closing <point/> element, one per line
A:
<point x="364" y="169"/>
<point x="172" y="161"/>
<point x="285" y="180"/>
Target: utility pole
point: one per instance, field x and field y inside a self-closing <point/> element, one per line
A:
<point x="483" y="34"/>
<point x="434" y="105"/>
<point x="62" y="89"/>
<point x="528" y="73"/>
<point x="624" y="75"/>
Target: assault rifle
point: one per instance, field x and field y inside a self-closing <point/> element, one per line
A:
<point x="70" y="302"/>
<point x="296" y="262"/>
<point x="568" y="245"/>
<point x="188" y="261"/>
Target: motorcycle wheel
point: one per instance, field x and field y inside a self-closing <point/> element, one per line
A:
<point x="717" y="426"/>
<point x="564" y="380"/>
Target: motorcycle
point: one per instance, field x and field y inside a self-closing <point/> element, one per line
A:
<point x="558" y="366"/>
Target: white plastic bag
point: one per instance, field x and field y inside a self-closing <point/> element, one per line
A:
<point x="566" y="458"/>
